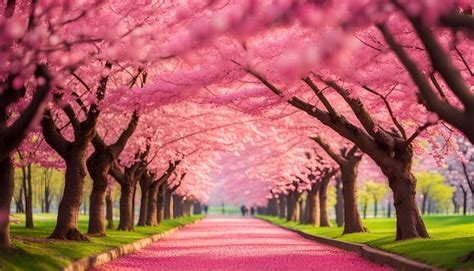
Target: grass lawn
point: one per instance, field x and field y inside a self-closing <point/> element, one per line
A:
<point x="229" y="210"/>
<point x="452" y="238"/>
<point x="43" y="254"/>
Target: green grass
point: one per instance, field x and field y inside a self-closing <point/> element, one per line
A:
<point x="452" y="238"/>
<point x="229" y="210"/>
<point x="44" y="254"/>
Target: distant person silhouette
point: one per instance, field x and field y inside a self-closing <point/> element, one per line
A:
<point x="223" y="208"/>
<point x="206" y="209"/>
<point x="243" y="210"/>
<point x="252" y="211"/>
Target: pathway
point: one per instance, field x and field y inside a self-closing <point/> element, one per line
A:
<point x="234" y="243"/>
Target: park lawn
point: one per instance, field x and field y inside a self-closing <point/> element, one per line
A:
<point x="43" y="254"/>
<point x="452" y="238"/>
<point x="228" y="210"/>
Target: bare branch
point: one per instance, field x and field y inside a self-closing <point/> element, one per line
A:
<point x="418" y="131"/>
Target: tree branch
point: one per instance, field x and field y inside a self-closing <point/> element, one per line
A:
<point x="83" y="83"/>
<point x="117" y="147"/>
<point x="390" y="111"/>
<point x="52" y="135"/>
<point x="171" y="168"/>
<point x="458" y="20"/>
<point x="466" y="175"/>
<point x="463" y="60"/>
<point x="117" y="173"/>
<point x="362" y="115"/>
<point x="93" y="113"/>
<point x="441" y="61"/>
<point x="418" y="131"/>
<point x="71" y="115"/>
<point x="447" y="112"/>
<point x="437" y="86"/>
<point x="15" y="134"/>
<point x="264" y="81"/>
<point x="320" y="95"/>
<point x="325" y="146"/>
<point x="80" y="102"/>
<point x="179" y="183"/>
<point x="352" y="151"/>
<point x="339" y="124"/>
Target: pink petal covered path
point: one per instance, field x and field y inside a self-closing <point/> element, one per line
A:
<point x="234" y="243"/>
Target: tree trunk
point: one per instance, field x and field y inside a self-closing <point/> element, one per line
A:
<point x="464" y="202"/>
<point x="160" y="202"/>
<point x="187" y="207"/>
<point x="169" y="204"/>
<point x="290" y="207"/>
<point x="29" y="200"/>
<point x="409" y="221"/>
<point x="375" y="208"/>
<point x="301" y="206"/>
<point x="353" y="223"/>
<point x="6" y="193"/>
<point x="364" y="209"/>
<point x="292" y="204"/>
<point x="296" y="213"/>
<point x="97" y="204"/>
<point x="134" y="196"/>
<point x="126" y="205"/>
<point x="314" y="207"/>
<point x="19" y="201"/>
<point x="145" y="197"/>
<point x="282" y="205"/>
<point x="177" y="206"/>
<point x="98" y="165"/>
<point x="277" y="207"/>
<point x="323" y="202"/>
<point x="389" y="208"/>
<point x="339" y="203"/>
<point x="152" y="215"/>
<point x="197" y="210"/>
<point x="109" y="210"/>
<point x="307" y="209"/>
<point x="272" y="208"/>
<point x="47" y="200"/>
<point x="430" y="202"/>
<point x="423" y="203"/>
<point x="69" y="207"/>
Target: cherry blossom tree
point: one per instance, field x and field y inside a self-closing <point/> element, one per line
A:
<point x="161" y="93"/>
<point x="387" y="137"/>
<point x="348" y="160"/>
<point x="27" y="44"/>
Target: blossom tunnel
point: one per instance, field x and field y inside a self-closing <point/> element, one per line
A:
<point x="322" y="113"/>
